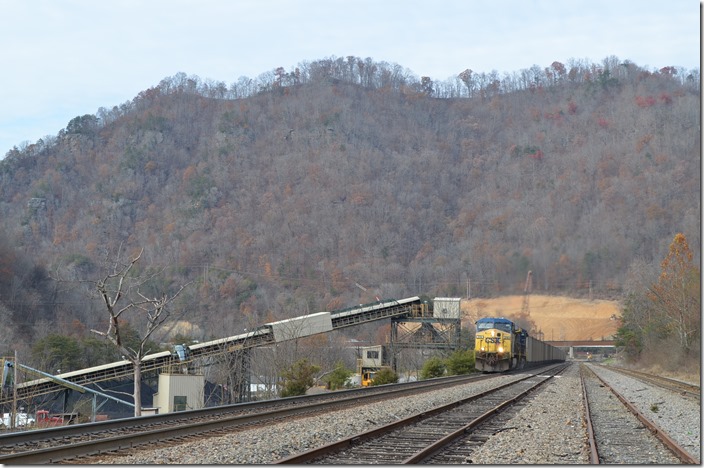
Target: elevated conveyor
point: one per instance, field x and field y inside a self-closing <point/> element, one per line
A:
<point x="375" y="311"/>
<point x="266" y="334"/>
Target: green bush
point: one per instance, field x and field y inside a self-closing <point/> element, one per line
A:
<point x="460" y="362"/>
<point x="432" y="368"/>
<point x="385" y="376"/>
<point x="337" y="378"/>
<point x="298" y="378"/>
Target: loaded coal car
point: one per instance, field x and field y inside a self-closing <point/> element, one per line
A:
<point x="501" y="345"/>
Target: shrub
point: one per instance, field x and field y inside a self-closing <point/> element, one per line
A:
<point x="337" y="378"/>
<point x="298" y="378"/>
<point x="432" y="368"/>
<point x="460" y="362"/>
<point x="385" y="376"/>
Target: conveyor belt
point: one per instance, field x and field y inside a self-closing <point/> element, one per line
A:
<point x="263" y="335"/>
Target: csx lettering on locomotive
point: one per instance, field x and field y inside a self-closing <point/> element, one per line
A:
<point x="501" y="345"/>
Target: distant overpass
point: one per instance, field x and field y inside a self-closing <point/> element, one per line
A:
<point x="572" y="345"/>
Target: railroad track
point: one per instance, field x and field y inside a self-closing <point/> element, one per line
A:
<point x="85" y="440"/>
<point x="683" y="388"/>
<point x="444" y="435"/>
<point x="619" y="433"/>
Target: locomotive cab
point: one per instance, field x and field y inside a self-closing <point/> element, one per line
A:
<point x="499" y="345"/>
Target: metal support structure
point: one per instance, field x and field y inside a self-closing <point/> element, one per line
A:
<point x="71" y="385"/>
<point x="423" y="333"/>
<point x="244" y="391"/>
<point x="66" y="388"/>
<point x="14" y="393"/>
<point x="95" y="407"/>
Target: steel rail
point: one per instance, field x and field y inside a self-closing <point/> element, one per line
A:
<point x="659" y="380"/>
<point x="129" y="441"/>
<point x="21" y="437"/>
<point x="438" y="446"/>
<point x="374" y="433"/>
<point x="120" y="442"/>
<point x="668" y="441"/>
<point x="591" y="438"/>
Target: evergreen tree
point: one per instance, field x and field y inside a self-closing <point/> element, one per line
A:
<point x="298" y="378"/>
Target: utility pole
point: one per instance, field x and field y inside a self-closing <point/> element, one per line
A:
<point x="590" y="290"/>
<point x="13" y="416"/>
<point x="526" y="292"/>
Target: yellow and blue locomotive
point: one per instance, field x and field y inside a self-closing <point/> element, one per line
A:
<point x="499" y="345"/>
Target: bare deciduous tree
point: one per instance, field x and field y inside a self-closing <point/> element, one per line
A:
<point x="121" y="292"/>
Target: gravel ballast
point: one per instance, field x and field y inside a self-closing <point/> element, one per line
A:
<point x="266" y="445"/>
<point x="550" y="429"/>
<point x="678" y="417"/>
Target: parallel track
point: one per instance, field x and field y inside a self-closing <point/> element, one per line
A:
<point x="436" y="436"/>
<point x="618" y="429"/>
<point x="686" y="389"/>
<point x="69" y="442"/>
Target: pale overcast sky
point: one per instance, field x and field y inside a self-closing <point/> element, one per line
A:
<point x="64" y="58"/>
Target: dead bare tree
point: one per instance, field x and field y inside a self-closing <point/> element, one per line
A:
<point x="120" y="292"/>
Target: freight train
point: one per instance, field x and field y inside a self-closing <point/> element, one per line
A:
<point x="501" y="345"/>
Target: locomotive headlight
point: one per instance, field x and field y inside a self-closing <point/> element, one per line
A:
<point x="501" y="349"/>
<point x="483" y="348"/>
<point x="492" y="332"/>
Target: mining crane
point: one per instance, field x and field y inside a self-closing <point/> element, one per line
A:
<point x="525" y="312"/>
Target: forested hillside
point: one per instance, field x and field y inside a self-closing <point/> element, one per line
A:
<point x="347" y="179"/>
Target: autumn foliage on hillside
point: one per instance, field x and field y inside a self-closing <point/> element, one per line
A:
<point x="347" y="179"/>
<point x="661" y="322"/>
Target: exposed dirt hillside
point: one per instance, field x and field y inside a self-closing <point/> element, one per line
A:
<point x="560" y="318"/>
